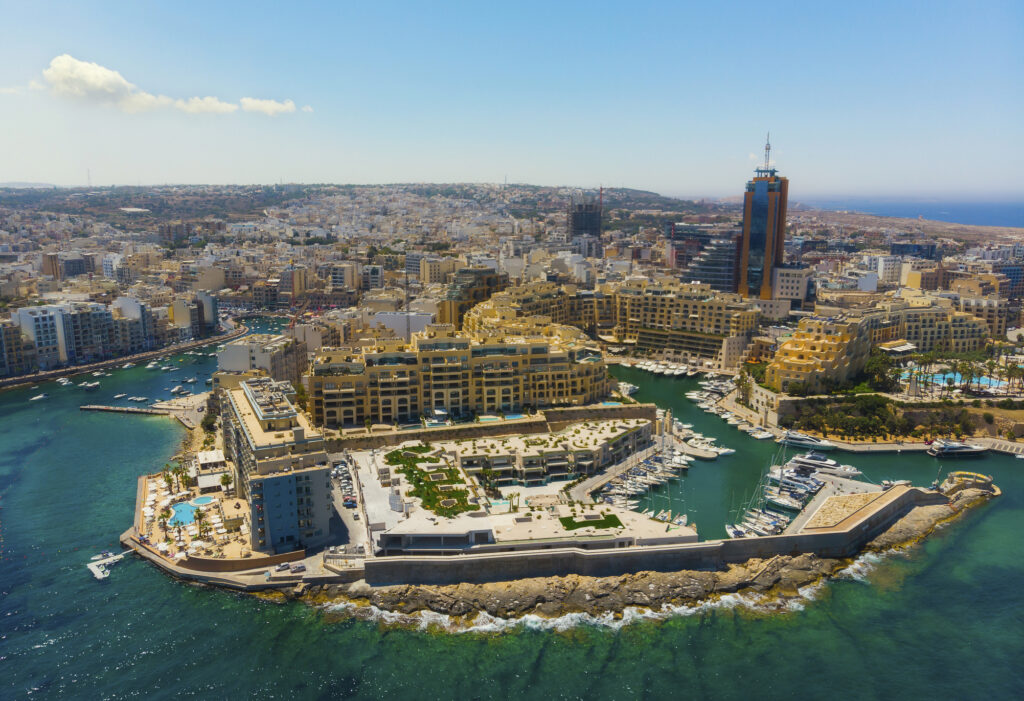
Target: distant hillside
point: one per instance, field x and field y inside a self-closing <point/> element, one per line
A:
<point x="27" y="186"/>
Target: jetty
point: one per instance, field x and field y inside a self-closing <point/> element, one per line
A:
<point x="124" y="409"/>
<point x="100" y="567"/>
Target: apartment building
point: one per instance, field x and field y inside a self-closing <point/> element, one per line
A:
<point x="690" y="319"/>
<point x="822" y="351"/>
<point x="281" y="466"/>
<point x="469" y="287"/>
<point x="17" y="353"/>
<point x="538" y="459"/>
<point x="442" y="372"/>
<point x="436" y="270"/>
<point x="281" y="357"/>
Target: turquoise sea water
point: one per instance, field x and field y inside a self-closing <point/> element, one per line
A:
<point x="945" y="621"/>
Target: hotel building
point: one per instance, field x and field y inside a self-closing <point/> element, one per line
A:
<point x="443" y="372"/>
<point x="281" y="466"/>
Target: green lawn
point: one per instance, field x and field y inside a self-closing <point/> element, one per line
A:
<point x="609" y="521"/>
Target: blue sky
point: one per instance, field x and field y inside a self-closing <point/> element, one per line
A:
<point x="861" y="98"/>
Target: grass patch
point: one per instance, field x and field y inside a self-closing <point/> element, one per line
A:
<point x="609" y="521"/>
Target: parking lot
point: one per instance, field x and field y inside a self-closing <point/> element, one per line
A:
<point x="347" y="499"/>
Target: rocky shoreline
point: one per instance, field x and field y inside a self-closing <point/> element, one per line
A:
<point x="778" y="578"/>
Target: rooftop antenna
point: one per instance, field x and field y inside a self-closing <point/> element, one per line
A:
<point x="767" y="150"/>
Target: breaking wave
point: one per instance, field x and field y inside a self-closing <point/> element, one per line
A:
<point x="483" y="622"/>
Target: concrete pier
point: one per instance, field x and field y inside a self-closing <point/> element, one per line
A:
<point x="124" y="409"/>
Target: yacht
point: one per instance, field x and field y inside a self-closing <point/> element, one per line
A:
<point x="955" y="449"/>
<point x="120" y="396"/>
<point x="37" y="397"/>
<point x="817" y="461"/>
<point x="801" y="440"/>
<point x="762" y="435"/>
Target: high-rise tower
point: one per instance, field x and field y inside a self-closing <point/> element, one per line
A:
<point x="764" y="229"/>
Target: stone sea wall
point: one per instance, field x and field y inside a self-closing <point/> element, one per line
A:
<point x="781" y="575"/>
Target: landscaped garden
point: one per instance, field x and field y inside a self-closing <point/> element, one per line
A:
<point x="438" y="485"/>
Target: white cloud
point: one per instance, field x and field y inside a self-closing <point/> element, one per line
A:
<point x="270" y="108"/>
<point x="200" y="105"/>
<point x="82" y="80"/>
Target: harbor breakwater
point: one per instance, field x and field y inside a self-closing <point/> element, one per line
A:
<point x="776" y="578"/>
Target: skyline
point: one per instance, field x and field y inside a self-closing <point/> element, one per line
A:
<point x="674" y="100"/>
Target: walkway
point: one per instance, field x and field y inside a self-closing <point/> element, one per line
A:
<point x="834" y="486"/>
<point x="10" y="382"/>
<point x="581" y="492"/>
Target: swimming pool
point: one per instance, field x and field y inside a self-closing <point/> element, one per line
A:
<point x="514" y="416"/>
<point x="184" y="514"/>
<point x="489" y="418"/>
<point x="611" y="403"/>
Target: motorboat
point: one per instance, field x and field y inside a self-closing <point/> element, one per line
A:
<point x="762" y="435"/>
<point x="820" y="463"/>
<point x="955" y="449"/>
<point x="38" y="397"/>
<point x="120" y="396"/>
<point x="802" y="440"/>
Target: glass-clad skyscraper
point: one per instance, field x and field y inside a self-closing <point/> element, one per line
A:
<point x="764" y="231"/>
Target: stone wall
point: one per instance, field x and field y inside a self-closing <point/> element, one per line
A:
<point x="212" y="564"/>
<point x="617" y="561"/>
<point x="549" y="420"/>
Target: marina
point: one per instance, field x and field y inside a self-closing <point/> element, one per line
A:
<point x="946" y="573"/>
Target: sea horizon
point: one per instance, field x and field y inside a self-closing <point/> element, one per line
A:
<point x="979" y="212"/>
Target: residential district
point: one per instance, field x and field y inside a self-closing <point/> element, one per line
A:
<point x="437" y="404"/>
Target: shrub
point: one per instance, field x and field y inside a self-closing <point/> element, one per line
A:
<point x="989" y="418"/>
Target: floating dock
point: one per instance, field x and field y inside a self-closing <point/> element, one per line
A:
<point x="100" y="568"/>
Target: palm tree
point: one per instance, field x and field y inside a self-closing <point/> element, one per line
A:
<point x="164" y="515"/>
<point x="225" y="481"/>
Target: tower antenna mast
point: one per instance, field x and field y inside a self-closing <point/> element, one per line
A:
<point x="767" y="150"/>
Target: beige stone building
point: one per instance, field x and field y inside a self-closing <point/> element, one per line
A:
<point x="442" y="372"/>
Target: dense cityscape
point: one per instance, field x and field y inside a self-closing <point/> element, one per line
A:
<point x="444" y="321"/>
<point x="534" y="351"/>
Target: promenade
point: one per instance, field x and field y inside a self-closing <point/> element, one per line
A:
<point x="19" y="380"/>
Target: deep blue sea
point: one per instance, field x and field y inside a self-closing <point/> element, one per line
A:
<point x="943" y="621"/>
<point x="990" y="213"/>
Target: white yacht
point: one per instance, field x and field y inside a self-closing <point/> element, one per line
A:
<point x="954" y="449"/>
<point x="802" y="440"/>
<point x="817" y="461"/>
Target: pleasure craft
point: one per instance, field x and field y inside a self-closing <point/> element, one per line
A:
<point x="954" y="449"/>
<point x="817" y="461"/>
<point x="802" y="440"/>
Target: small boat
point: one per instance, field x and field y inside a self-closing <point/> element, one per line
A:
<point x="120" y="396"/>
<point x="38" y="397"/>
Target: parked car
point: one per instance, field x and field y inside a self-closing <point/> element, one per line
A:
<point x="298" y="568"/>
<point x="282" y="567"/>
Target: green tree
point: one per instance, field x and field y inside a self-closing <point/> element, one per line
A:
<point x="226" y="480"/>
